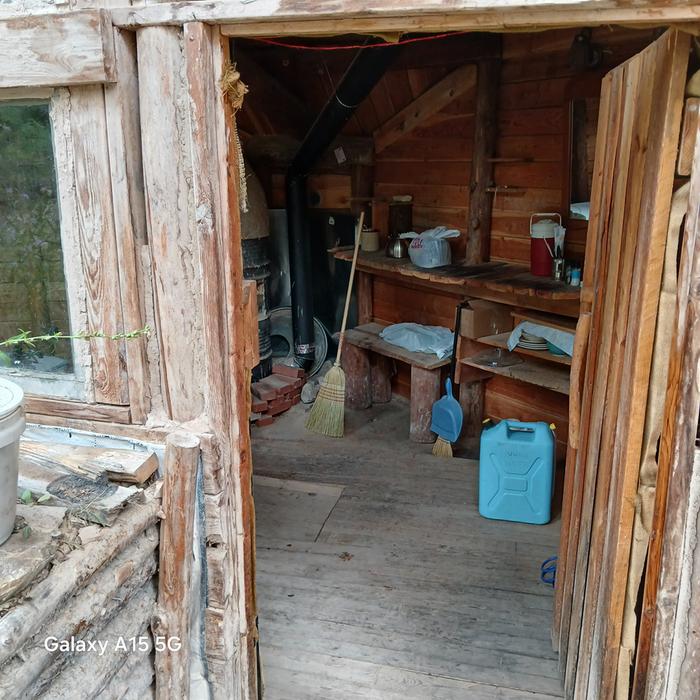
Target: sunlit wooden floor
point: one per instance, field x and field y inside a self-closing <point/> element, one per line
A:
<point x="377" y="578"/>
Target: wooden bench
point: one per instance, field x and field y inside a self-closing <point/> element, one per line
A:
<point x="368" y="366"/>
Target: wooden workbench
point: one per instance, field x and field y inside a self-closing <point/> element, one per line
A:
<point x="495" y="281"/>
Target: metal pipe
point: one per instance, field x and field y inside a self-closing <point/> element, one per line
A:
<point x="365" y="71"/>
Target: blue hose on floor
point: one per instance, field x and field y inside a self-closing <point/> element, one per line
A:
<point x="548" y="571"/>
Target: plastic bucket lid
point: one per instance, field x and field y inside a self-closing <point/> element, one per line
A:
<point x="11" y="413"/>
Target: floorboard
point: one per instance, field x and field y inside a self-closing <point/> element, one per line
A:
<point x="377" y="577"/>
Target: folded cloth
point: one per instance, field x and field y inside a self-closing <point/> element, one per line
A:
<point x="434" y="340"/>
<point x="562" y="339"/>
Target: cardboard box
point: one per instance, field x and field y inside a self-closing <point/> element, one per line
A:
<point x="479" y="316"/>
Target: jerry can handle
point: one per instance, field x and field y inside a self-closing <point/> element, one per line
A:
<point x="518" y="427"/>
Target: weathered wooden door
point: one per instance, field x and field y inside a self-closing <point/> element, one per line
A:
<point x="638" y="132"/>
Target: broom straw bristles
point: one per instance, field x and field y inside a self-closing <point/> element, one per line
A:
<point x="327" y="415"/>
<point x="442" y="448"/>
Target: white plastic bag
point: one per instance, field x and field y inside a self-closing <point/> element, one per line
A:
<point x="434" y="340"/>
<point x="430" y="248"/>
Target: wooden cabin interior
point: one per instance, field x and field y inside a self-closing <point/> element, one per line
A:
<point x="396" y="585"/>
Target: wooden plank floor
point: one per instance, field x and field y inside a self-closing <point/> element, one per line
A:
<point x="404" y="591"/>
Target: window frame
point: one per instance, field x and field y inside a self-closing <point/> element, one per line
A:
<point x="76" y="385"/>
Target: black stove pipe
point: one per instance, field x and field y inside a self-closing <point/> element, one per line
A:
<point x="362" y="75"/>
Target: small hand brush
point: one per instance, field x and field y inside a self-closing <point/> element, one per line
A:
<point x="442" y="448"/>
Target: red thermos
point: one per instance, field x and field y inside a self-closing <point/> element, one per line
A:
<point x="542" y="244"/>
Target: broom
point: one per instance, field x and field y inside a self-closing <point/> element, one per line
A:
<point x="327" y="416"/>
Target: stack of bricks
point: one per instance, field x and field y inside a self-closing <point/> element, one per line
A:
<point x="276" y="394"/>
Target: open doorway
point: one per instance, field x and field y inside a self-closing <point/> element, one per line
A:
<point x="377" y="576"/>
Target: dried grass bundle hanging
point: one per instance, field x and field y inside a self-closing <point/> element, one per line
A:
<point x="235" y="90"/>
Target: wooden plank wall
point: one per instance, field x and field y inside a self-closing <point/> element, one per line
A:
<point x="537" y="86"/>
<point x="433" y="162"/>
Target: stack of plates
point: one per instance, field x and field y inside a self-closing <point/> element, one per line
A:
<point x="532" y="342"/>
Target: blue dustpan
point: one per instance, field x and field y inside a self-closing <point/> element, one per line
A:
<point x="447" y="416"/>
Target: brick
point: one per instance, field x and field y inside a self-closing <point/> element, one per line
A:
<point x="287" y="371"/>
<point x="263" y="391"/>
<point x="258" y="405"/>
<point x="296" y="399"/>
<point x="265" y="420"/>
<point x="279" y="408"/>
<point x="277" y="383"/>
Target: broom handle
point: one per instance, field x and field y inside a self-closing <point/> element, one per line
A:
<point x="358" y="234"/>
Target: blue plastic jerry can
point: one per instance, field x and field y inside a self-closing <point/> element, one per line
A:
<point x="516" y="472"/>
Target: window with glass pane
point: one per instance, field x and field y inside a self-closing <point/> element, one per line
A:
<point x="32" y="281"/>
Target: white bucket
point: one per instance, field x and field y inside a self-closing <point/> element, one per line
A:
<point x="11" y="427"/>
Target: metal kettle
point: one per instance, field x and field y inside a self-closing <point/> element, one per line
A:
<point x="396" y="247"/>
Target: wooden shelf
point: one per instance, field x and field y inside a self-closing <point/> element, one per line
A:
<point x="561" y="323"/>
<point x="495" y="281"/>
<point x="550" y="377"/>
<point x="501" y="341"/>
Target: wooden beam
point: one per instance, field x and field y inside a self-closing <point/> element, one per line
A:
<point x="61" y="408"/>
<point x="124" y="142"/>
<point x="172" y="617"/>
<point x="173" y="240"/>
<point x="240" y="662"/>
<point x="80" y="50"/>
<point x="97" y="239"/>
<point x="485" y="135"/>
<point x="430" y="102"/>
<point x="280" y="149"/>
<point x="331" y="17"/>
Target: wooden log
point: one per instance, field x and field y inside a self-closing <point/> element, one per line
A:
<point x="93" y="605"/>
<point x="358" y="380"/>
<point x="425" y="391"/>
<point x="21" y="623"/>
<point x="485" y="133"/>
<point x="172" y="617"/>
<point x="90" y="673"/>
<point x="430" y="102"/>
<point x="381" y="372"/>
<point x="133" y="680"/>
<point x="81" y="50"/>
<point x="23" y="559"/>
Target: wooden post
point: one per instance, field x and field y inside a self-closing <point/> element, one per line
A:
<point x="172" y="617"/>
<point x="358" y="385"/>
<point x="382" y="370"/>
<point x="485" y="132"/>
<point x="471" y="400"/>
<point x="425" y="391"/>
